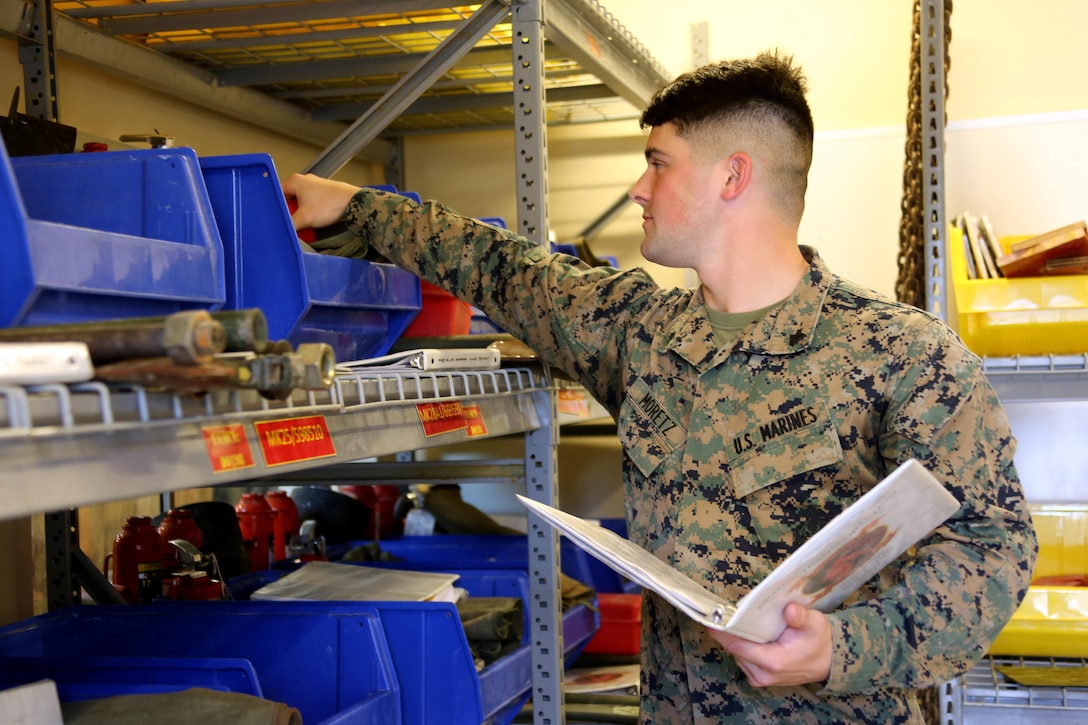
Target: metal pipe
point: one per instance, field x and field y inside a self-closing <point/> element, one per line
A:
<point x="187" y="338"/>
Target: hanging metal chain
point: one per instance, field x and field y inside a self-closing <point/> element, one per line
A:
<point x="910" y="286"/>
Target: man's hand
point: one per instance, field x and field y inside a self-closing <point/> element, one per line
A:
<point x="800" y="656"/>
<point x="321" y="202"/>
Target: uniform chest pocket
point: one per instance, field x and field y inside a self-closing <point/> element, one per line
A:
<point x="783" y="455"/>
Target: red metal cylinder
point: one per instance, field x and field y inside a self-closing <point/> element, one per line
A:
<point x="255" y="518"/>
<point x="137" y="561"/>
<point x="285" y="524"/>
<point x="177" y="524"/>
<point x="382" y="501"/>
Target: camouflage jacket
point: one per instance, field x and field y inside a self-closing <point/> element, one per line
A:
<point x="733" y="457"/>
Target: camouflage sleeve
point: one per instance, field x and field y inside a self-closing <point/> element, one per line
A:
<point x="966" y="580"/>
<point x="567" y="312"/>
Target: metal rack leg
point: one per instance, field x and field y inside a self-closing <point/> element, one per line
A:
<point x="544" y="588"/>
<point x="61" y="539"/>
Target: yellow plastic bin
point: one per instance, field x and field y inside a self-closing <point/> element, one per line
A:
<point x="1019" y="316"/>
<point x="1052" y="621"/>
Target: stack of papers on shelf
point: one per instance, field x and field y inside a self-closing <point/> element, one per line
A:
<point x="326" y="581"/>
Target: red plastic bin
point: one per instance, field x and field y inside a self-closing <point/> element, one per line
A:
<point x="621" y="620"/>
<point x="441" y="314"/>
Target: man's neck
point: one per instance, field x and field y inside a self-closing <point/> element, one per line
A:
<point x="753" y="279"/>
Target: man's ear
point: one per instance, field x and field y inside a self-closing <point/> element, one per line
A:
<point x="737" y="174"/>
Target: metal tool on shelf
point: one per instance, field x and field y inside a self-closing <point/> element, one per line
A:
<point x="310" y="367"/>
<point x="191" y="337"/>
<point x="246" y="330"/>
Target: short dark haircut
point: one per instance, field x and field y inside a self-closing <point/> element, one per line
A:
<point x="763" y="97"/>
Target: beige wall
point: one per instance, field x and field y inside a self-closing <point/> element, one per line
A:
<point x="1016" y="145"/>
<point x="1008" y="59"/>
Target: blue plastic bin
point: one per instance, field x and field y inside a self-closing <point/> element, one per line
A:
<point x="88" y="678"/>
<point x="503" y="686"/>
<point x="359" y="308"/>
<point x="331" y="662"/>
<point x="480" y="551"/>
<point x="106" y="235"/>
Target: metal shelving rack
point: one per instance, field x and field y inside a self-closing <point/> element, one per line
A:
<point x="75" y="445"/>
<point x="303" y="68"/>
<point x="985" y="693"/>
<point x="1025" y="378"/>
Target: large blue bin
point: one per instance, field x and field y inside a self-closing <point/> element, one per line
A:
<point x="503" y="687"/>
<point x="87" y="678"/>
<point x="359" y="308"/>
<point x="331" y="662"/>
<point x="106" y="235"/>
<point x="486" y="551"/>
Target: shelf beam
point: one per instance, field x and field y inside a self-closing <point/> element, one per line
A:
<point x="600" y="50"/>
<point x="464" y="102"/>
<point x="317" y="70"/>
<point x="52" y="468"/>
<point x="172" y="17"/>
<point x="402" y="472"/>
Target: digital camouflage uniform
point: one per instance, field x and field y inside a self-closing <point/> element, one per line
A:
<point x="734" y="457"/>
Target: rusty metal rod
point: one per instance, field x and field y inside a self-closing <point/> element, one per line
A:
<point x="187" y="338"/>
<point x="312" y="367"/>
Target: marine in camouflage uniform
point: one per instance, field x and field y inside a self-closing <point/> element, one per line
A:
<point x="734" y="457"/>
<point x="736" y="453"/>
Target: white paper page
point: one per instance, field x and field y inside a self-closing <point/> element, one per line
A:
<point x="327" y="581"/>
<point x="877" y="528"/>
<point x="638" y="565"/>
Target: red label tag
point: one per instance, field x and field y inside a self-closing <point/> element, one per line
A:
<point x="228" y="449"/>
<point x="294" y="439"/>
<point x="477" y="426"/>
<point x="438" y="418"/>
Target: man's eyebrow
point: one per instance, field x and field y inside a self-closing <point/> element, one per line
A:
<point x="651" y="150"/>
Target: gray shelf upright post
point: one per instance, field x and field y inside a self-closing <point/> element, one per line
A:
<point x="531" y="166"/>
<point x="38" y="58"/>
<point x="545" y="622"/>
<point x="37" y="55"/>
<point x="933" y="120"/>
<point x="530" y="124"/>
